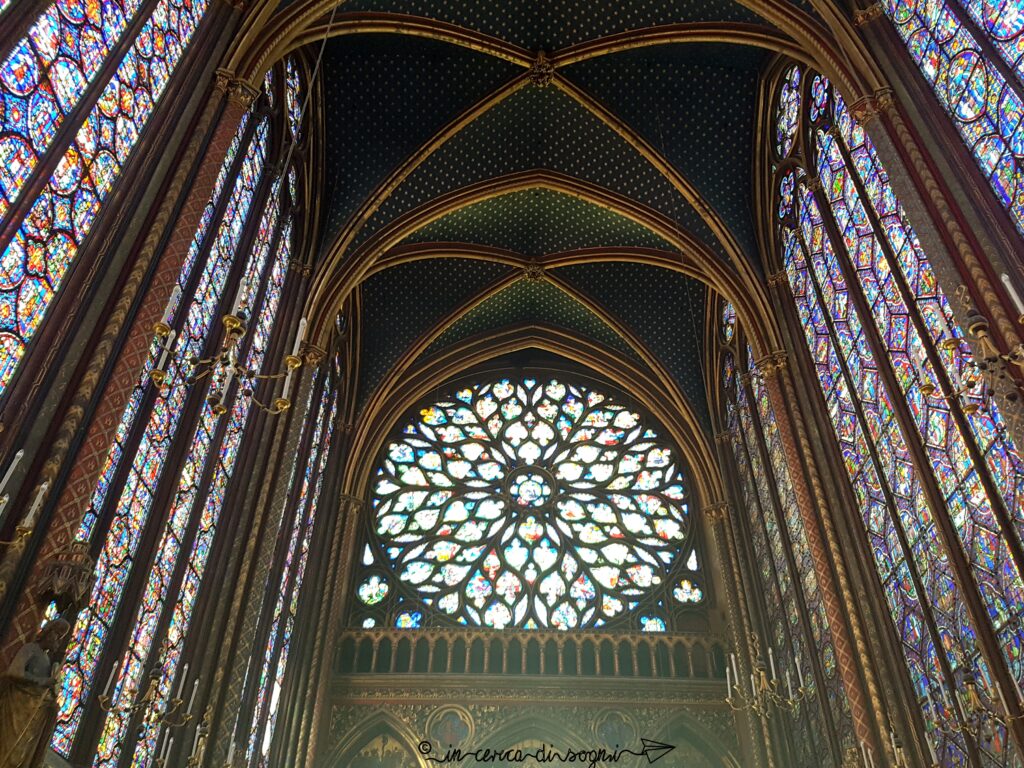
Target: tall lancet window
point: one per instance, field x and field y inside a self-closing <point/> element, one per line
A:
<point x="157" y="507"/>
<point x="931" y="465"/>
<point x="296" y="535"/>
<point x="532" y="503"/>
<point x="970" y="52"/>
<point x="798" y="628"/>
<point x="76" y="94"/>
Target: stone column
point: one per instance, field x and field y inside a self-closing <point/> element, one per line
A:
<point x="335" y="598"/>
<point x="717" y="516"/>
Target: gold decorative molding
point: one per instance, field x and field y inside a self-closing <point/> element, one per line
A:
<point x="813" y="183"/>
<point x="772" y="363"/>
<point x="717" y="512"/>
<point x="534" y="271"/>
<point x="725" y="436"/>
<point x="776" y="279"/>
<point x="867" y="108"/>
<point x="312" y="354"/>
<point x="242" y="93"/>
<point x="542" y="71"/>
<point x="867" y="15"/>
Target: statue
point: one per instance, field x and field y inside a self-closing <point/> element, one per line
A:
<point x="28" y="697"/>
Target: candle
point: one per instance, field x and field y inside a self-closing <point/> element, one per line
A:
<point x="231" y="751"/>
<point x="108" y="689"/>
<point x="789" y="684"/>
<point x="864" y="754"/>
<point x="195" y="739"/>
<point x="286" y="390"/>
<point x="800" y="676"/>
<point x="166" y="349"/>
<point x="10" y="469"/>
<point x="931" y="751"/>
<point x="192" y="698"/>
<point x="728" y="682"/>
<point x="871" y="758"/>
<point x="753" y="685"/>
<point x="163" y="745"/>
<point x="236" y="305"/>
<point x="735" y="674"/>
<point x="33" y="512"/>
<point x="167" y="747"/>
<point x="300" y="334"/>
<point x="1010" y="289"/>
<point x="227" y="383"/>
<point x="181" y="681"/>
<point x="171" y="304"/>
<point x="771" y="662"/>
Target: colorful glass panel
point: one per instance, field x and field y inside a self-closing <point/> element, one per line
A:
<point x="132" y="511"/>
<point x="787" y="114"/>
<point x="985" y="108"/>
<point x="44" y="78"/>
<point x="903" y="539"/>
<point x="286" y="607"/>
<point x="959" y="480"/>
<point x="45" y="245"/>
<point x="293" y="85"/>
<point x="529" y="503"/>
<point x="188" y="497"/>
<point x="786" y="631"/>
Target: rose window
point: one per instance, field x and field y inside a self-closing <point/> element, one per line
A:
<point x="530" y="504"/>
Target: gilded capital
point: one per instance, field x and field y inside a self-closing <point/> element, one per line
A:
<point x="725" y="436"/>
<point x="867" y="15"/>
<point x="242" y="93"/>
<point x="778" y="278"/>
<point x="716" y="513"/>
<point x="772" y="363"/>
<point x="533" y="271"/>
<point x="312" y="354"/>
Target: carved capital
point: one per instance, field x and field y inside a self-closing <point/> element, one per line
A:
<point x="716" y="513"/>
<point x="867" y="108"/>
<point x="542" y="71"/>
<point x="350" y="501"/>
<point x="242" y="93"/>
<point x="772" y="363"/>
<point x="312" y="354"/>
<point x="222" y="79"/>
<point x="776" y="279"/>
<point x="725" y="436"/>
<point x="813" y="183"/>
<point x="869" y="14"/>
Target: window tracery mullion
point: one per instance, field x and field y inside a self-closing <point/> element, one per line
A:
<point x="946" y="385"/>
<point x="842" y="718"/>
<point x="909" y="554"/>
<point x="939" y="497"/>
<point x="799" y="648"/>
<point x="14" y="207"/>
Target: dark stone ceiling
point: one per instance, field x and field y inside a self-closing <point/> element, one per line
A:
<point x="387" y="95"/>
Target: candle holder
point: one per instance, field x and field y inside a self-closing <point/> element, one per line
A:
<point x="223" y="368"/>
<point x="766" y="692"/>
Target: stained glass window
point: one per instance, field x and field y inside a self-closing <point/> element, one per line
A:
<point x="274" y="660"/>
<point x="897" y="379"/>
<point x="529" y="503"/>
<point x="798" y="627"/>
<point x="987" y="108"/>
<point x="43" y="79"/>
<point x="156" y="419"/>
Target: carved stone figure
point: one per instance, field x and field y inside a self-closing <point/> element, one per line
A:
<point x="27" y="697"/>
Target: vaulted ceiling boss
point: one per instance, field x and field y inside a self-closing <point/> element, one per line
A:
<point x="393" y="383"/>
